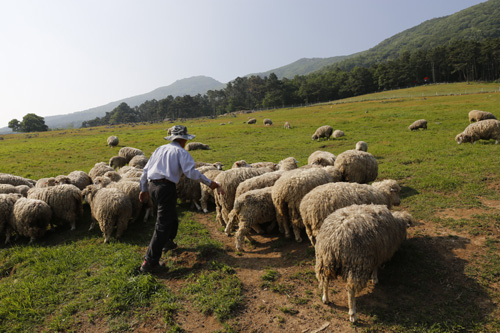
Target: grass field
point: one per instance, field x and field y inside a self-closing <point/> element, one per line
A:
<point x="445" y="278"/>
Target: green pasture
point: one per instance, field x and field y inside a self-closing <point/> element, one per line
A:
<point x="72" y="278"/>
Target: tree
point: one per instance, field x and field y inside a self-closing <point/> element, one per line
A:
<point x="31" y="123"/>
<point x="15" y="125"/>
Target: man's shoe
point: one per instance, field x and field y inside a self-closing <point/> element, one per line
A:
<point x="170" y="245"/>
<point x="146" y="267"/>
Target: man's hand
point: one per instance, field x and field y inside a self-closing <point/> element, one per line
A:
<point x="144" y="197"/>
<point x="214" y="185"/>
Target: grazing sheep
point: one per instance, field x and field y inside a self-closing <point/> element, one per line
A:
<point x="321" y="158"/>
<point x="110" y="207"/>
<point x="241" y="164"/>
<point x="229" y="181"/>
<point x="270" y="165"/>
<point x="251" y="121"/>
<point x="287" y="164"/>
<point x="6" y="178"/>
<point x="268" y="122"/>
<point x="78" y="178"/>
<point x="323" y="132"/>
<point x="477" y="115"/>
<point x="421" y="123"/>
<point x="196" y="146"/>
<point x="138" y="161"/>
<point x="29" y="218"/>
<point x="206" y="192"/>
<point x="7" y="188"/>
<point x="287" y="125"/>
<point x="251" y="209"/>
<point x="217" y="165"/>
<point x="289" y="190"/>
<point x="65" y="201"/>
<point x="482" y="130"/>
<point x="99" y="169"/>
<point x="361" y="145"/>
<point x="113" y="141"/>
<point x="7" y="201"/>
<point x="117" y="162"/>
<point x="352" y="243"/>
<point x="257" y="182"/>
<point x="129" y="152"/>
<point x="357" y="166"/>
<point x="337" y="134"/>
<point x="45" y="182"/>
<point x="325" y="199"/>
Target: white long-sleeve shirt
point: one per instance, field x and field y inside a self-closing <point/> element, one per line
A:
<point x="170" y="161"/>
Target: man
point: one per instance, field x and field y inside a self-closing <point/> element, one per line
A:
<point x="161" y="173"/>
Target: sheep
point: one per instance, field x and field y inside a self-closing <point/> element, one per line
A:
<point x="251" y="121"/>
<point x="229" y="181"/>
<point x="421" y="123"/>
<point x="196" y="146"/>
<point x="138" y="161"/>
<point x="323" y="132"/>
<point x="325" y="199"/>
<point x="113" y="176"/>
<point x="190" y="190"/>
<point x="337" y="134"/>
<point x="486" y="130"/>
<point x="78" y="178"/>
<point x="287" y="164"/>
<point x="45" y="182"/>
<point x="357" y="166"/>
<point x="352" y="243"/>
<point x="117" y="162"/>
<point x="361" y="145"/>
<point x="217" y="165"/>
<point x="289" y="190"/>
<point x="287" y="125"/>
<point x="241" y="164"/>
<point x="65" y="201"/>
<point x="99" y="169"/>
<point x="477" y="115"/>
<point x="132" y="190"/>
<point x="21" y="189"/>
<point x="29" y="218"/>
<point x="7" y="201"/>
<point x="132" y="173"/>
<point x="206" y="193"/>
<point x="6" y="178"/>
<point x="270" y="165"/>
<point x="129" y="152"/>
<point x="113" y="141"/>
<point x="254" y="183"/>
<point x="102" y="181"/>
<point x="110" y="207"/>
<point x="251" y="209"/>
<point x="268" y="122"/>
<point x="321" y="158"/>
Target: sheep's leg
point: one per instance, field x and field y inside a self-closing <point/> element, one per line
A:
<point x="204" y="201"/>
<point x="296" y="232"/>
<point x="257" y="229"/>
<point x="218" y="213"/>
<point x="146" y="214"/>
<point x="198" y="207"/>
<point x="375" y="276"/>
<point x="243" y="230"/>
<point x="324" y="281"/>
<point x="231" y="222"/>
<point x="73" y="225"/>
<point x="351" y="297"/>
<point x="92" y="224"/>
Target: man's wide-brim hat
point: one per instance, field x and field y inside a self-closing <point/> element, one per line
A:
<point x="179" y="132"/>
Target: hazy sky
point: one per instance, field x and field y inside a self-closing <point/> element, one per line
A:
<point x="64" y="56"/>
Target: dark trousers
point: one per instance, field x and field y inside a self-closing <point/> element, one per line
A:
<point x="164" y="196"/>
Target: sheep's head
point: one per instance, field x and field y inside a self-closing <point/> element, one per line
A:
<point x="462" y="138"/>
<point x="405" y="217"/>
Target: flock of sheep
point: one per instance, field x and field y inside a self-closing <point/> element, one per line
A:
<point x="347" y="219"/>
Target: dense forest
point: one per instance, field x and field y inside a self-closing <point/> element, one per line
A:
<point x="457" y="61"/>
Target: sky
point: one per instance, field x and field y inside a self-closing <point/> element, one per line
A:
<point x="64" y="56"/>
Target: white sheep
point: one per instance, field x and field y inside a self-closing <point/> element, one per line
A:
<point x="217" y="165"/>
<point x="251" y="121"/>
<point x="7" y="201"/>
<point x="270" y="165"/>
<point x="129" y="152"/>
<point x="45" y="182"/>
<point x="207" y="194"/>
<point x="29" y="218"/>
<point x="113" y="141"/>
<point x="482" y="130"/>
<point x="337" y="134"/>
<point x="357" y="166"/>
<point x="361" y="145"/>
<point x="78" y="178"/>
<point x="257" y="182"/>
<point x="21" y="189"/>
<point x="190" y="146"/>
<point x="267" y="122"/>
<point x="132" y="190"/>
<point x="241" y="164"/>
<point x="132" y="172"/>
<point x="287" y="125"/>
<point x="65" y="201"/>
<point x="321" y="158"/>
<point x="229" y="181"/>
<point x="287" y="164"/>
<point x="421" y="123"/>
<point x="323" y="132"/>
<point x="353" y="242"/>
<point x="325" y="199"/>
<point x="117" y="162"/>
<point x="6" y="178"/>
<point x="251" y="209"/>
<point x="99" y="169"/>
<point x="189" y="190"/>
<point x="289" y="190"/>
<point x="138" y="161"/>
<point x="477" y="115"/>
<point x="110" y="207"/>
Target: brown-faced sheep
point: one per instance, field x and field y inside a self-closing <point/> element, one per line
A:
<point x="477" y="115"/>
<point x="29" y="218"/>
<point x="482" y="130"/>
<point x="421" y="123"/>
<point x="352" y="243"/>
<point x="323" y="132"/>
<point x="357" y="166"/>
<point x="113" y="141"/>
<point x="321" y="158"/>
<point x="325" y="199"/>
<point x="129" y="152"/>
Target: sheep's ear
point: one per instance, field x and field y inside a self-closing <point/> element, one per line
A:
<point x="393" y="189"/>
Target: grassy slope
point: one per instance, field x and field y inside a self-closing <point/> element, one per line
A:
<point x="435" y="173"/>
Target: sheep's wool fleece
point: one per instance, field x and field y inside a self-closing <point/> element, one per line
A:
<point x="31" y="217"/>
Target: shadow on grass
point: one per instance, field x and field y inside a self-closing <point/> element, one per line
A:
<point x="407" y="192"/>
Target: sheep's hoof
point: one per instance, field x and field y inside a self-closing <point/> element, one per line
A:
<point x="325" y="299"/>
<point x="353" y="318"/>
<point x="205" y="211"/>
